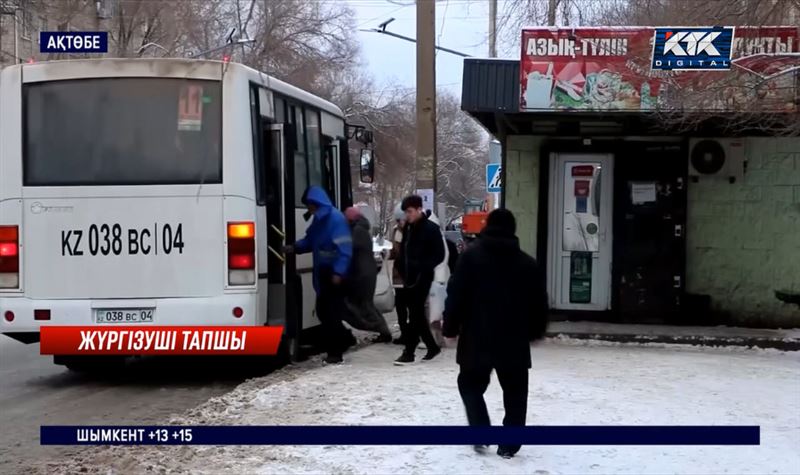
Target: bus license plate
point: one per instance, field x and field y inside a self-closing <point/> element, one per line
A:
<point x="127" y="315"/>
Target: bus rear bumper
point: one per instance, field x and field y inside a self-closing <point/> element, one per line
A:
<point x="18" y="314"/>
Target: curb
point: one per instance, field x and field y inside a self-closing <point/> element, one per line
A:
<point x="752" y="342"/>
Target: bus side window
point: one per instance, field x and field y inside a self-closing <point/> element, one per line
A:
<point x="345" y="180"/>
<point x="315" y="171"/>
<point x="300" y="164"/>
<point x="258" y="146"/>
<point x="329" y="171"/>
<point x="280" y="112"/>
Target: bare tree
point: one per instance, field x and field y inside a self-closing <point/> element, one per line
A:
<point x="517" y="14"/>
<point x="389" y="113"/>
<point x="761" y="93"/>
<point x="462" y="149"/>
<point x="697" y="12"/>
<point x="298" y="40"/>
<point x="463" y="152"/>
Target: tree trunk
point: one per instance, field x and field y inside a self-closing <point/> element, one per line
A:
<point x="551" y="12"/>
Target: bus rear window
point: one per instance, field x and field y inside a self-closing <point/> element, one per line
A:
<point x="122" y="131"/>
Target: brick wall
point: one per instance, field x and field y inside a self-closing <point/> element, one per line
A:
<point x="743" y="239"/>
<point x="522" y="187"/>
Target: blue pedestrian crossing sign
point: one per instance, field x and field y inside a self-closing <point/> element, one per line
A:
<point x="494" y="181"/>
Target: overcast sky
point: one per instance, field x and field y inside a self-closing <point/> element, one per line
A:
<point x="461" y="25"/>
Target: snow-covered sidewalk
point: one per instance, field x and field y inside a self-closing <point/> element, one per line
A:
<point x="571" y="384"/>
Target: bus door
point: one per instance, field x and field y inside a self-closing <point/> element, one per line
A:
<point x="275" y="232"/>
<point x="285" y="304"/>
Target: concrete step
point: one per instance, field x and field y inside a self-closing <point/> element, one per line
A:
<point x="780" y="339"/>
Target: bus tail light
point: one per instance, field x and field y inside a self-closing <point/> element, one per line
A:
<point x="241" y="253"/>
<point x="9" y="257"/>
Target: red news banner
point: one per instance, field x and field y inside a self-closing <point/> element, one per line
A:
<point x="159" y="340"/>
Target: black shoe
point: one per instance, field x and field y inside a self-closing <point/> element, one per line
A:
<point x="334" y="359"/>
<point x="432" y="353"/>
<point x="481" y="449"/>
<point x="382" y="339"/>
<point x="506" y="453"/>
<point x="405" y="359"/>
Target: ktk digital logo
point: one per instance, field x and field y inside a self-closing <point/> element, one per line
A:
<point x="693" y="49"/>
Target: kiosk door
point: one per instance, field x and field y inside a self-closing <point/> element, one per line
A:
<point x="580" y="224"/>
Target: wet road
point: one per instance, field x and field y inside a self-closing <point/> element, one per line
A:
<point x="35" y="392"/>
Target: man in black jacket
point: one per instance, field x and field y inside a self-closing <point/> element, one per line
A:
<point x="421" y="251"/>
<point x="496" y="305"/>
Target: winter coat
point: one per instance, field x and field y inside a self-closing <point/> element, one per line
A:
<point x="496" y="303"/>
<point x="363" y="268"/>
<point x="452" y="255"/>
<point x="328" y="238"/>
<point x="421" y="251"/>
<point x="397" y="241"/>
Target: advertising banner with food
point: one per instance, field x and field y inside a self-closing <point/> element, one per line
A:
<point x="648" y="68"/>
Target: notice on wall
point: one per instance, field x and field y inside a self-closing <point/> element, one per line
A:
<point x="427" y="199"/>
<point x="642" y="193"/>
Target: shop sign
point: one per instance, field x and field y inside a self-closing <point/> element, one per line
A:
<point x="612" y="69"/>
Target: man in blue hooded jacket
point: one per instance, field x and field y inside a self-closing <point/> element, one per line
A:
<point x="331" y="243"/>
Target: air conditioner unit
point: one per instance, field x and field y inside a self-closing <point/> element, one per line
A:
<point x="715" y="158"/>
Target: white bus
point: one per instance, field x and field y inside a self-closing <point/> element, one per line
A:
<point x="159" y="192"/>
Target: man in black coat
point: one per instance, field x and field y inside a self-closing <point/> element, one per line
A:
<point x="496" y="305"/>
<point x="452" y="255"/>
<point x="421" y="251"/>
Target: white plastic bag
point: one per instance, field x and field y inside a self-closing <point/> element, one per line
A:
<point x="436" y="299"/>
<point x="384" y="290"/>
<point x="438" y="294"/>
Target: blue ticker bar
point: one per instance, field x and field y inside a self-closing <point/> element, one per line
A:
<point x="400" y="435"/>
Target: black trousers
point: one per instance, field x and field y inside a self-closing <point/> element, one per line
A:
<point x="331" y="307"/>
<point x="472" y="384"/>
<point x="419" y="328"/>
<point x="401" y="307"/>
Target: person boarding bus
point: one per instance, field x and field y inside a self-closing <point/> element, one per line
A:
<point x="329" y="240"/>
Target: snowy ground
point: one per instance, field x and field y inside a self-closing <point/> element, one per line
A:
<point x="571" y="383"/>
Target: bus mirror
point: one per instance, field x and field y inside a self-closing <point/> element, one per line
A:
<point x="367" y="166"/>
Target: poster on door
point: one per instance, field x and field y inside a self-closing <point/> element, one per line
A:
<point x="581" y="214"/>
<point x="190" y="108"/>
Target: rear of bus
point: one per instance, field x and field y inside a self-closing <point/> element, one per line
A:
<point x="116" y="204"/>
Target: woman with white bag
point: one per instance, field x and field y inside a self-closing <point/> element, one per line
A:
<point x="438" y="293"/>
